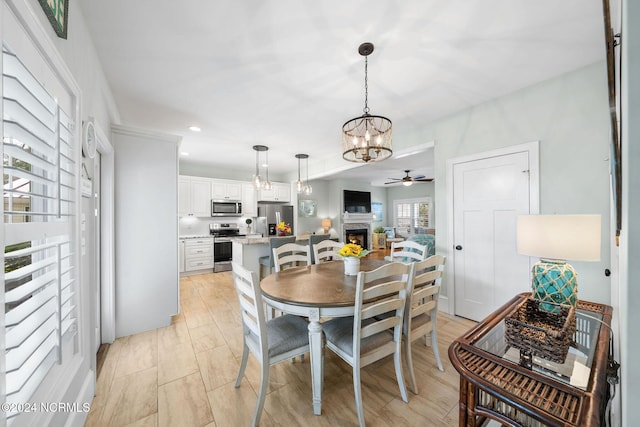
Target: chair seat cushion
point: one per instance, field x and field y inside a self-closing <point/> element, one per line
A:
<point x="420" y="320"/>
<point x="286" y="333"/>
<point x="339" y="331"/>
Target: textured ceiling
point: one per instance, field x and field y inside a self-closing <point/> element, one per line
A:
<point x="287" y="74"/>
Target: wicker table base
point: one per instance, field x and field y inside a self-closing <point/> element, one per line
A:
<point x="492" y="387"/>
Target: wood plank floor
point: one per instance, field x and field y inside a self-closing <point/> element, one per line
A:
<point x="184" y="374"/>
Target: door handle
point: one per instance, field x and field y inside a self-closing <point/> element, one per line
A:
<point x="458" y="248"/>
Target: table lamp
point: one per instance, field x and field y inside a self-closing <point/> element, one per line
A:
<point x="556" y="239"/>
<point x="326" y="225"/>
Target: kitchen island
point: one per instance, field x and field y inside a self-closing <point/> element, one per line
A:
<point x="248" y="250"/>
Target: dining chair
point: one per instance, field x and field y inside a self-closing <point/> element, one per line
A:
<point x="289" y="255"/>
<point x="326" y="250"/>
<point x="407" y="251"/>
<point x="421" y="311"/>
<point x="363" y="339"/>
<point x="271" y="341"/>
<point x="267" y="261"/>
<point x="314" y="239"/>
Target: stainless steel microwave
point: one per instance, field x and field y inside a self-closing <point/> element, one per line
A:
<point x="226" y="208"/>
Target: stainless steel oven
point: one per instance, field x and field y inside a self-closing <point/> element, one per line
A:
<point x="223" y="245"/>
<point x="222" y="254"/>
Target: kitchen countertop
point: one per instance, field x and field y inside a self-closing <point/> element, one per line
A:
<point x="196" y="236"/>
<point x="250" y="240"/>
<point x="264" y="240"/>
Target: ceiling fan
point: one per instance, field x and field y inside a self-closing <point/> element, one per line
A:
<point x="408" y="180"/>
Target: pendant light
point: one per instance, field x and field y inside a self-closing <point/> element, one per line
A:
<point x="300" y="186"/>
<point x="366" y="138"/>
<point x="257" y="179"/>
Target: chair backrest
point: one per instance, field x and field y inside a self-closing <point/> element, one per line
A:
<point x="380" y="306"/>
<point x="276" y="242"/>
<point x="424" y="296"/>
<point x="315" y="239"/>
<point x="408" y="251"/>
<point x="251" y="307"/>
<point x="326" y="250"/>
<point x="290" y="253"/>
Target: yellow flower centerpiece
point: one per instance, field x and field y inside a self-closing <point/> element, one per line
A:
<point x="282" y="228"/>
<point x="353" y="250"/>
<point x="351" y="254"/>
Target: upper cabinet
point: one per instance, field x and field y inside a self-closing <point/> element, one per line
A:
<point x="194" y="196"/>
<point x="249" y="206"/>
<point x="226" y="190"/>
<point x="280" y="192"/>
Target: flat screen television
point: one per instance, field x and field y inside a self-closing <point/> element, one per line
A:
<point x="357" y="201"/>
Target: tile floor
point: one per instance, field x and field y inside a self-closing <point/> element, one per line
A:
<point x="184" y="374"/>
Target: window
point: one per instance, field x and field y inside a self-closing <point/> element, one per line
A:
<point x="412" y="216"/>
<point x="39" y="210"/>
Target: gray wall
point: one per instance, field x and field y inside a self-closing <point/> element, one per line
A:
<point x="146" y="240"/>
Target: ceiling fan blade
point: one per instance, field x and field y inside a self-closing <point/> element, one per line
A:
<point x="392" y="182"/>
<point x="418" y="177"/>
<point x="423" y="179"/>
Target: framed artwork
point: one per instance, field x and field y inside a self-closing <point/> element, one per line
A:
<point x="307" y="208"/>
<point x="376" y="209"/>
<point x="58" y="13"/>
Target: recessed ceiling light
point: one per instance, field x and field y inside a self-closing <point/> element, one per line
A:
<point x="184" y="153"/>
<point x="194" y="128"/>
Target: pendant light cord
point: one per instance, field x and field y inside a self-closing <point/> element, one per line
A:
<point x="366" y="85"/>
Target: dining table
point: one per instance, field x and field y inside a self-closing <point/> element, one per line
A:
<point x="317" y="291"/>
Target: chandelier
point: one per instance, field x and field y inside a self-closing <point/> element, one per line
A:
<point x="366" y="138"/>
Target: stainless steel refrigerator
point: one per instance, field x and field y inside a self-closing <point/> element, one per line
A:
<point x="271" y="214"/>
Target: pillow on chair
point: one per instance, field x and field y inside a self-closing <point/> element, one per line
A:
<point x="390" y="231"/>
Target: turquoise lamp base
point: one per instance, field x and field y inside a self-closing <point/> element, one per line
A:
<point x="554" y="282"/>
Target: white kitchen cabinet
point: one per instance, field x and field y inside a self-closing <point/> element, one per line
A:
<point x="249" y="205"/>
<point x="198" y="254"/>
<point x="194" y="196"/>
<point x="280" y="192"/>
<point x="226" y="190"/>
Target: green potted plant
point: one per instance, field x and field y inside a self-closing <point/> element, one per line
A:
<point x="379" y="238"/>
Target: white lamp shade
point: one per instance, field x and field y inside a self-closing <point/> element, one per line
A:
<point x="566" y="237"/>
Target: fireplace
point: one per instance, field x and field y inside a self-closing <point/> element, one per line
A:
<point x="357" y="236"/>
<point x="358" y="233"/>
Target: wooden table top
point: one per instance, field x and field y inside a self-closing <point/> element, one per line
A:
<point x="321" y="285"/>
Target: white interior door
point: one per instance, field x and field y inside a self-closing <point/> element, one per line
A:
<point x="488" y="195"/>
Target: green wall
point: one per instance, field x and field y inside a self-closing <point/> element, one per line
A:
<point x="569" y="117"/>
